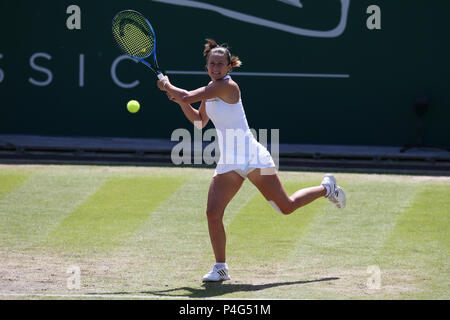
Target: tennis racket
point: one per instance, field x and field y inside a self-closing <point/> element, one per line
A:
<point x="134" y="35"/>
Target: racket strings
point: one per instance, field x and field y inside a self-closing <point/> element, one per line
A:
<point x="133" y="34"/>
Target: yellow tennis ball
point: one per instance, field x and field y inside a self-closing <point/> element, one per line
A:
<point x="133" y="106"/>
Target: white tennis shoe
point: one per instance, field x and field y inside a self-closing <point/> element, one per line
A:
<point x="217" y="273"/>
<point x="336" y="195"/>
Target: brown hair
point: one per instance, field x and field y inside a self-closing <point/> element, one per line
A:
<point x="212" y="47"/>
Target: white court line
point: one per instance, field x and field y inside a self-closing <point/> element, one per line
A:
<point x="117" y="296"/>
<point x="267" y="74"/>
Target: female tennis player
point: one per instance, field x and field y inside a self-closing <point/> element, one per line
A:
<point x="241" y="155"/>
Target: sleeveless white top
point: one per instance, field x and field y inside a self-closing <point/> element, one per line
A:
<point x="239" y="150"/>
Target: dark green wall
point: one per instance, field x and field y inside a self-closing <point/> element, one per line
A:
<point x="387" y="70"/>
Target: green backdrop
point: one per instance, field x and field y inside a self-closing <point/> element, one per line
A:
<point x="377" y="74"/>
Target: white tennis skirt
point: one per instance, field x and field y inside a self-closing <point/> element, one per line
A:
<point x="243" y="157"/>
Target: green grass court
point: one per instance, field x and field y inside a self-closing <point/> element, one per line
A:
<point x="142" y="231"/>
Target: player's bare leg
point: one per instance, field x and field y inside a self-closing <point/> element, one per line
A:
<point x="272" y="189"/>
<point x="222" y="189"/>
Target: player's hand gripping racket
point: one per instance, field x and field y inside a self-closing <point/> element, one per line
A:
<point x="135" y="36"/>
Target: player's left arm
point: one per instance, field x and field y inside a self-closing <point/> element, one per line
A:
<point x="212" y="90"/>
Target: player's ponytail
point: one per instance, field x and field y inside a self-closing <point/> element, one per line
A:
<point x="235" y="62"/>
<point x="209" y="45"/>
<point x="212" y="46"/>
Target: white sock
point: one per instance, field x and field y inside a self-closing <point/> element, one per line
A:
<point x="326" y="186"/>
<point x="220" y="265"/>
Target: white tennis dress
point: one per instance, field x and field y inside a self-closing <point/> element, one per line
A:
<point x="239" y="150"/>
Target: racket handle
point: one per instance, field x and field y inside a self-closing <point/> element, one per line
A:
<point x="160" y="76"/>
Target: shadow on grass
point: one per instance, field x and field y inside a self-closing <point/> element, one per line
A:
<point x="214" y="289"/>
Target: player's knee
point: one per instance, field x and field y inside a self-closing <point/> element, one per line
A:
<point x="213" y="215"/>
<point x="284" y="209"/>
<point x="287" y="210"/>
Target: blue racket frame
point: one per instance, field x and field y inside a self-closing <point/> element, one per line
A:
<point x="155" y="66"/>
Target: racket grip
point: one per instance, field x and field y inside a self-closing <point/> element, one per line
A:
<point x="160" y="76"/>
